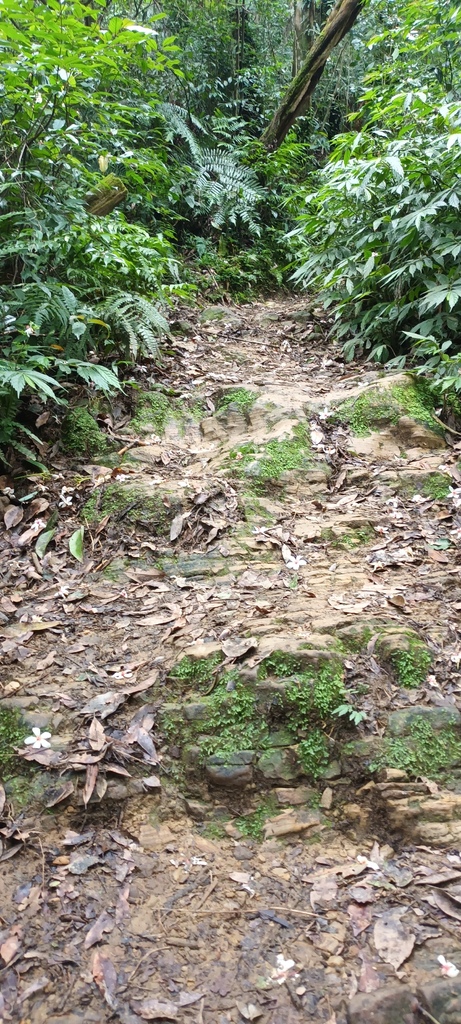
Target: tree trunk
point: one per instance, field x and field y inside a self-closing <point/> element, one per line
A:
<point x="296" y="98"/>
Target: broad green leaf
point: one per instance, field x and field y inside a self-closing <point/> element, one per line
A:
<point x="76" y="544"/>
<point x="42" y="542"/>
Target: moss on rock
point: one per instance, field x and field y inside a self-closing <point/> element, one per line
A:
<point x="153" y="510"/>
<point x="13" y="732"/>
<point x="379" y="407"/>
<point x="406" y="654"/>
<point x="81" y="435"/>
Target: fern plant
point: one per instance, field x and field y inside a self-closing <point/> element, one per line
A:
<point x="135" y="321"/>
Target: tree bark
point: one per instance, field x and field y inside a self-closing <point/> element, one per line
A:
<point x="296" y="99"/>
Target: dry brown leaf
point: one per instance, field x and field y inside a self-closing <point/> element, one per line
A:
<point x="393" y="940"/>
<point x="96" y="735"/>
<point x="238" y="647"/>
<point x="157" y="1009"/>
<point x="92" y="772"/>
<point x="104" y="923"/>
<point x="9" y="948"/>
<point x="361" y="916"/>
<point x="13" y="516"/>
<point x="446" y="903"/>
<point x="59" y="793"/>
<point x="105" y="976"/>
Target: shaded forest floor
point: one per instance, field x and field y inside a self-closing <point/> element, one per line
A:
<point x="250" y="807"/>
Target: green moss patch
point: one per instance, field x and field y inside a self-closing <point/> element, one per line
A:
<point x="81" y="435"/>
<point x="251" y="825"/>
<point x="379" y="407"/>
<point x="424" y="752"/>
<point x="13" y="732"/>
<point x="266" y="464"/>
<point x="233" y="723"/>
<point x="356" y="538"/>
<point x="239" y="398"/>
<point x="407" y="656"/>
<point x="313" y="753"/>
<point x="196" y="673"/>
<point x="134" y="506"/>
<point x="153" y="410"/>
<point x="436" y="486"/>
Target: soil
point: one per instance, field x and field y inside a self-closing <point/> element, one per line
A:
<point x="165" y="857"/>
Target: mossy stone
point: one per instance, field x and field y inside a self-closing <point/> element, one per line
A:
<point x="81" y="435"/>
<point x="136" y="505"/>
<point x="280" y="763"/>
<point x="401" y="723"/>
<point x="380" y="406"/>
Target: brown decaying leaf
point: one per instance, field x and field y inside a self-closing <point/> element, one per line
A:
<point x="13" y="516"/>
<point x="9" y="948"/>
<point x="157" y="1009"/>
<point x="59" y="793"/>
<point x="96" y="735"/>
<point x="393" y="940"/>
<point x="361" y="917"/>
<point x="105" y="976"/>
<point x="2" y="798"/>
<point x="446" y="903"/>
<point x="92" y="772"/>
<point x="238" y="647"/>
<point x="103" y="923"/>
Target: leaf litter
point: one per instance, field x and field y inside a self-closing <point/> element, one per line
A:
<point x="84" y="656"/>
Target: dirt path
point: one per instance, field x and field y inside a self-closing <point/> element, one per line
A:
<point x="251" y="682"/>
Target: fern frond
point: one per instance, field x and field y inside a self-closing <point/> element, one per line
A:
<point x="136" y="320"/>
<point x="177" y="122"/>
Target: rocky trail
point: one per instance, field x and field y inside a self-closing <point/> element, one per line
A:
<point x="243" y="799"/>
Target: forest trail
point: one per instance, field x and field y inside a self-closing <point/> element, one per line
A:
<point x="204" y="840"/>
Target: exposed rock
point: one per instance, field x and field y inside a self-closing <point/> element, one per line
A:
<point x="332" y="771"/>
<point x="280" y="763"/>
<point x="411" y="434"/>
<point x="432" y="819"/>
<point x="195" y="712"/>
<point x="400" y="723"/>
<point x="442" y="999"/>
<point x="326" y="800"/>
<point x="234" y="771"/>
<point x="389" y="1005"/>
<point x="295" y="797"/>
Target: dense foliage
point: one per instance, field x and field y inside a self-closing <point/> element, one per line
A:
<point x="132" y="175"/>
<point x="380" y="235"/>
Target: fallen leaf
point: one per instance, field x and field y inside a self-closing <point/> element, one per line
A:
<point x="238" y="647"/>
<point x="104" y="923"/>
<point x="35" y="986"/>
<point x="9" y="948"/>
<point x="152" y="782"/>
<point x="55" y="794"/>
<point x="176" y="527"/>
<point x="13" y="516"/>
<point x="155" y="1009"/>
<point x="249" y="1011"/>
<point x="96" y="735"/>
<point x="80" y="864"/>
<point x="2" y="798"/>
<point x="393" y="940"/>
<point x="188" y="998"/>
<point x="323" y="892"/>
<point x="361" y="917"/>
<point x="105" y="976"/>
<point x="92" y="773"/>
<point x="446" y="904"/>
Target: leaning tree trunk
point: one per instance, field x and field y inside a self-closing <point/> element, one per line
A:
<point x="296" y="98"/>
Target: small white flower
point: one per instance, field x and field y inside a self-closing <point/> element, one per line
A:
<point x="283" y="970"/>
<point x="38" y="740"/>
<point x="446" y="968"/>
<point x="371" y="864"/>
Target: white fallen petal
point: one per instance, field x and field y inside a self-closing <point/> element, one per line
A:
<point x="30" y="739"/>
<point x="36" y="731"/>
